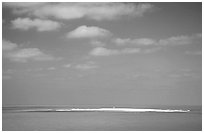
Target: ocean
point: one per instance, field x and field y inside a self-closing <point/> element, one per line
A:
<point x="64" y="118"/>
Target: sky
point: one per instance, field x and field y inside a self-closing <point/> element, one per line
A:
<point x="102" y="54"/>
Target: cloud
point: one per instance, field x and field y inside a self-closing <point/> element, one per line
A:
<point x="140" y="41"/>
<point x="51" y="68"/>
<point x="14" y="53"/>
<point x="67" y="65"/>
<point x="7" y="45"/>
<point x="38" y="24"/>
<point x="88" y="32"/>
<point x="193" y="52"/>
<point x="171" y="41"/>
<point x="181" y="40"/>
<point x="97" y="43"/>
<point x="101" y="51"/>
<point x="18" y="5"/>
<point x="8" y="71"/>
<point x="5" y="77"/>
<point x="95" y="11"/>
<point x="122" y="41"/>
<point x="175" y="75"/>
<point x="130" y="51"/>
<point x="19" y="8"/>
<point x="151" y="50"/>
<point x="87" y="66"/>
<point x="22" y="55"/>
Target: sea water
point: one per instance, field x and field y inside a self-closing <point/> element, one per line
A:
<point x="55" y="118"/>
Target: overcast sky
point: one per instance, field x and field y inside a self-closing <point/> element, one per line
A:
<point x="102" y="54"/>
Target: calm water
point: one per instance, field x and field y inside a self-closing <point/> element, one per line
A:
<point x="14" y="118"/>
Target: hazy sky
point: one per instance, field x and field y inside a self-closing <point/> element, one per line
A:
<point x="102" y="53"/>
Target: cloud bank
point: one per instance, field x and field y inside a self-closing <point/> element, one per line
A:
<point x="38" y="24"/>
<point x="101" y="51"/>
<point x="88" y="32"/>
<point x="22" y="55"/>
<point x="7" y="45"/>
<point x="86" y="66"/>
<point x="14" y="53"/>
<point x="181" y="40"/>
<point x="171" y="41"/>
<point x="94" y="11"/>
<point x="193" y="52"/>
<point x="140" y="41"/>
<point x="97" y="43"/>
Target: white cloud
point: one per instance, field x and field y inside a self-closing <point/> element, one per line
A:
<point x="22" y="55"/>
<point x="175" y="75"/>
<point x="67" y="11"/>
<point x="97" y="43"/>
<point x="120" y="41"/>
<point x="51" y="68"/>
<point x="140" y="41"/>
<point x="181" y="40"/>
<point x="193" y="52"/>
<point x="175" y="40"/>
<point x="67" y="65"/>
<point x="23" y="7"/>
<point x="101" y="51"/>
<point x="40" y="25"/>
<point x="22" y="4"/>
<point x="87" y="66"/>
<point x="88" y="32"/>
<point x="130" y="50"/>
<point x="8" y="71"/>
<point x="5" y="77"/>
<point x="151" y="50"/>
<point x="144" y="41"/>
<point x="14" y="53"/>
<point x="7" y="45"/>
